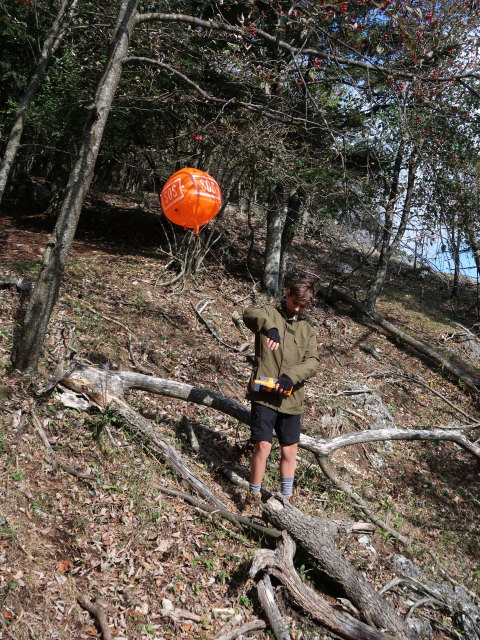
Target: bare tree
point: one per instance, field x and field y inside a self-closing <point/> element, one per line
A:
<point x="389" y="242"/>
<point x="50" y="47"/>
<point x="30" y="335"/>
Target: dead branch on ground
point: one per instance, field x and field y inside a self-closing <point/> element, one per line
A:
<point x="266" y="596"/>
<point x="253" y="625"/>
<point x="279" y="563"/>
<point x="212" y="331"/>
<point x="459" y="372"/>
<point x="223" y="513"/>
<point x="105" y="386"/>
<point x="56" y="461"/>
<point x="98" y="612"/>
<point x="316" y="535"/>
<point x="327" y="469"/>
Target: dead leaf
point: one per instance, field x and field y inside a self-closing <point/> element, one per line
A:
<point x="64" y="565"/>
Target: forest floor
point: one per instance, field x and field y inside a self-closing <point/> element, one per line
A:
<point x="145" y="554"/>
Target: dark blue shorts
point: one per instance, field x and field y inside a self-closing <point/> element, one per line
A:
<point x="264" y="420"/>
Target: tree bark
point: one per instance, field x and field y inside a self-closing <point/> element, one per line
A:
<point x="316" y="538"/>
<point x="273" y="244"/>
<point x="291" y="221"/>
<point x="388" y="245"/>
<point x="50" y="47"/>
<point x="30" y="336"/>
<point x="280" y="564"/>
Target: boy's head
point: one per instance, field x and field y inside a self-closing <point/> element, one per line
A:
<point x="299" y="296"/>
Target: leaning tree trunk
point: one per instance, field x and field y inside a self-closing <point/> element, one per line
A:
<point x="473" y="241"/>
<point x="273" y="244"/>
<point x="455" y="244"/>
<point x="291" y="221"/>
<point x="389" y="246"/>
<point x="29" y="337"/>
<point x="50" y="46"/>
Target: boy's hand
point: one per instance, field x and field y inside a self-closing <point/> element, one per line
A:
<point x="284" y="384"/>
<point x="273" y="339"/>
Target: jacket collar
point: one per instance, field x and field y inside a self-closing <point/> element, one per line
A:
<point x="280" y="306"/>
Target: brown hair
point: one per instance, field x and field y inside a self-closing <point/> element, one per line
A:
<point x="303" y="289"/>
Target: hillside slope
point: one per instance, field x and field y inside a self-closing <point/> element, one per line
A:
<point x="164" y="569"/>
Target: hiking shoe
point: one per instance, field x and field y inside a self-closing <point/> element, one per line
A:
<point x="252" y="504"/>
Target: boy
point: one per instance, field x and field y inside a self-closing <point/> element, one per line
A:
<point x="286" y="349"/>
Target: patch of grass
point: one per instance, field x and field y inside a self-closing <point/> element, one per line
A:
<point x="32" y="267"/>
<point x="223" y="576"/>
<point x="7" y="533"/>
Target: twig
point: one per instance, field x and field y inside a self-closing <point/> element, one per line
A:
<point x="332" y="351"/>
<point x="425" y="384"/>
<point x="452" y="581"/>
<point x="212" y="331"/>
<point x="350" y="392"/>
<point x="421" y="603"/>
<point x="344" y="486"/>
<point x="245" y="628"/>
<point x="355" y="413"/>
<point x="99" y="614"/>
<point x="224" y="513"/>
<point x="137" y="366"/>
<point x="107" y="318"/>
<point x="55" y="460"/>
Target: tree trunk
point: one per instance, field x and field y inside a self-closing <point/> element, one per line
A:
<point x="50" y="46"/>
<point x="455" y="246"/>
<point x="30" y="336"/>
<point x="317" y="539"/>
<point x="273" y="244"/>
<point x="388" y="246"/>
<point x="474" y="243"/>
<point x="291" y="221"/>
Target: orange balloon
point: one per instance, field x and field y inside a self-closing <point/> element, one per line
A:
<point x="191" y="198"/>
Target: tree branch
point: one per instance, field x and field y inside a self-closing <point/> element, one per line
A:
<point x="294" y="51"/>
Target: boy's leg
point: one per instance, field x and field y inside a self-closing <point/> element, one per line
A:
<point x="261" y="430"/>
<point x="288" y="460"/>
<point x="259" y="462"/>
<point x="288" y="431"/>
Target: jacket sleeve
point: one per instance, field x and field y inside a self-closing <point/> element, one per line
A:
<point x="309" y="365"/>
<point x="258" y="319"/>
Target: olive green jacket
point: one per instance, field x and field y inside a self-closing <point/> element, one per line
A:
<point x="296" y="357"/>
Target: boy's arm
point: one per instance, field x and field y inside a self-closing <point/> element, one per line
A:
<point x="257" y="319"/>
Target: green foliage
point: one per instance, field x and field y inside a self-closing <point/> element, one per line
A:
<point x="244" y="601"/>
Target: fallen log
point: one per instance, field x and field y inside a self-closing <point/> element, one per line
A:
<point x="103" y="386"/>
<point x="459" y="372"/>
<point x="280" y="564"/>
<point x="316" y="536"/>
<point x="266" y="597"/>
